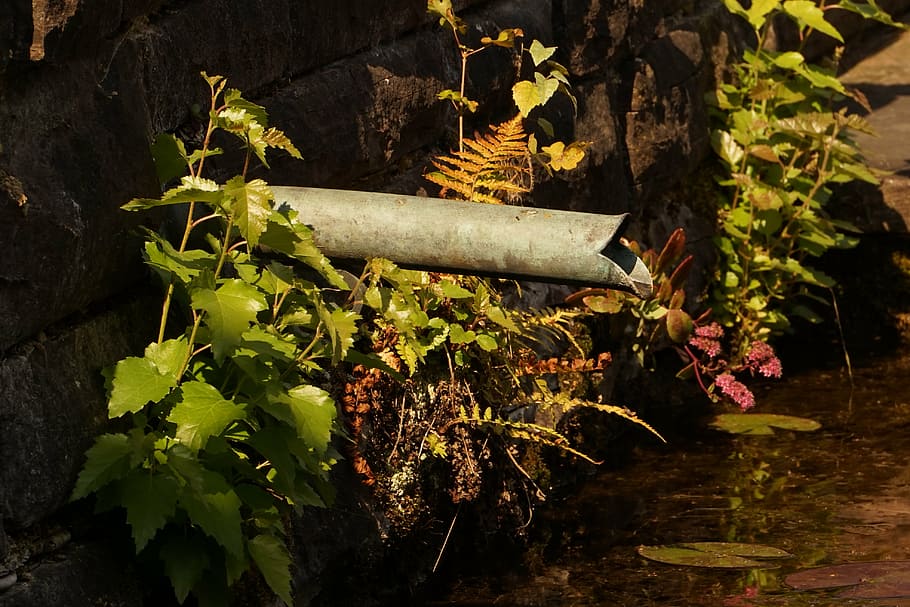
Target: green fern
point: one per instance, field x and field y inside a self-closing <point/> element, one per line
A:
<point x="494" y="168"/>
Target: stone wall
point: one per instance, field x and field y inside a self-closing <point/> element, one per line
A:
<point x="85" y="85"/>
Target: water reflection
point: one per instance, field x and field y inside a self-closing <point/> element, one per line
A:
<point x="841" y="494"/>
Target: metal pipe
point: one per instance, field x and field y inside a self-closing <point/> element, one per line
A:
<point x="471" y="238"/>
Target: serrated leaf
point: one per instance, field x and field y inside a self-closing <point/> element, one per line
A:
<point x="540" y="53"/>
<point x="136" y="382"/>
<point x="250" y="203"/>
<point x="168" y="356"/>
<point x="230" y="309"/>
<point x="454" y="291"/>
<point x="202" y="413"/>
<point x="341" y="326"/>
<point x="150" y="501"/>
<point x="105" y="461"/>
<point x="186" y="265"/>
<point x="287" y="235"/>
<point x="191" y="189"/>
<point x="499" y="316"/>
<point x="457" y="335"/>
<point x="184" y="563"/>
<point x="273" y="561"/>
<point x="806" y="13"/>
<point x="307" y="409"/>
<point x="218" y="515"/>
<point x="169" y="154"/>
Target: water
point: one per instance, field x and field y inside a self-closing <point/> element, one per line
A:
<point x="837" y="495"/>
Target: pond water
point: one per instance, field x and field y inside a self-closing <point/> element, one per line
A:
<point x="837" y="495"/>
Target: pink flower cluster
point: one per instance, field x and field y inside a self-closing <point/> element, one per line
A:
<point x="762" y="358"/>
<point x="737" y="391"/>
<point x="707" y="339"/>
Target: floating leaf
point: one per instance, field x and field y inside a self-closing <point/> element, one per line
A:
<point x="762" y="423"/>
<point x="724" y="555"/>
<point x="871" y="580"/>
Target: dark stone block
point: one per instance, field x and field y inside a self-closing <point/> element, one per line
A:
<point x="86" y="575"/>
<point x="52" y="406"/>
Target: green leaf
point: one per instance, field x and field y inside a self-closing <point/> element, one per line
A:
<point x="162" y="256"/>
<point x="135" y="383"/>
<point x="150" y="500"/>
<point x="762" y="423"/>
<point x="230" y="310"/>
<point x="454" y="291"/>
<point x="869" y="10"/>
<point x="287" y="235"/>
<point x="723" y="555"/>
<point x="757" y="13"/>
<point x="191" y="189"/>
<point x="540" y="53"/>
<point x="218" y="515"/>
<point x="184" y="563"/>
<point x="341" y="325"/>
<point x="107" y="460"/>
<point x="307" y="409"/>
<point x="251" y="206"/>
<point x="457" y="335"/>
<point x="372" y="361"/>
<point x="256" y="113"/>
<point x="273" y="561"/>
<point x="168" y="356"/>
<point x="169" y="154"/>
<point x="806" y="13"/>
<point x="201" y="413"/>
<point x="487" y="342"/>
<point x="788" y="60"/>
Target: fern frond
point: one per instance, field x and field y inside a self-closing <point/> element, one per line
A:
<point x="494" y="167"/>
<point x="528" y="432"/>
<point x="552" y="325"/>
<point x="623" y="412"/>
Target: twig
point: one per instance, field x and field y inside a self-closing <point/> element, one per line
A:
<point x="446" y="541"/>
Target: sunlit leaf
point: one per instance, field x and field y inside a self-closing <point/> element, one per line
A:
<point x="806" y="13"/>
<point x="135" y="382"/>
<point x="250" y="204"/>
<point x="202" y="413"/>
<point x="540" y="53"/>
<point x="528" y="95"/>
<point x="229" y="311"/>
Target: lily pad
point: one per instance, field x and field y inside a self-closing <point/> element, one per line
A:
<point x="724" y="555"/>
<point x="762" y="423"/>
<point x="868" y="580"/>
